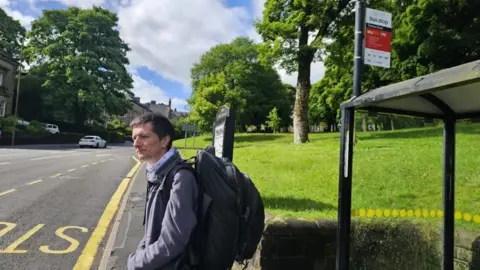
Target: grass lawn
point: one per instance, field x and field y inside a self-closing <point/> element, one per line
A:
<point x="392" y="170"/>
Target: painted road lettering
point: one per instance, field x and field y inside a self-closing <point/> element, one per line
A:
<point x="73" y="242"/>
<point x="60" y="233"/>
<point x="8" y="227"/>
<point x="23" y="238"/>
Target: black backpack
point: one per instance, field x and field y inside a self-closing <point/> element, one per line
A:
<point x="230" y="216"/>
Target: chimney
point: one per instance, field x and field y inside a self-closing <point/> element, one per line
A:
<point x="170" y="103"/>
<point x="137" y="99"/>
<point x="153" y="102"/>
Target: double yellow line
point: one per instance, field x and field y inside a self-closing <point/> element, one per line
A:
<point x="87" y="257"/>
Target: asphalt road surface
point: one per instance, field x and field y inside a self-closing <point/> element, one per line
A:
<point x="51" y="201"/>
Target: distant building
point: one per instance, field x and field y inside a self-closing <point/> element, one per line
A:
<point x="166" y="110"/>
<point x="8" y="68"/>
<point x="178" y="115"/>
<point x="152" y="106"/>
<point x="161" y="108"/>
<point x="137" y="109"/>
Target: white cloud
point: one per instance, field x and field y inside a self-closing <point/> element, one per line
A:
<point x="317" y="68"/>
<point x="79" y="3"/>
<point x="169" y="36"/>
<point x="147" y="91"/>
<point x="25" y="20"/>
<point x="180" y="104"/>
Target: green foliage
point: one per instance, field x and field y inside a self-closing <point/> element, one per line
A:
<point x="428" y="35"/>
<point x="82" y="59"/>
<point x="12" y="35"/>
<point x="273" y="121"/>
<point x="36" y="128"/>
<point x="436" y="34"/>
<point x="118" y="127"/>
<point x="9" y="123"/>
<point x="286" y="27"/>
<point x="285" y="23"/>
<point x="231" y="74"/>
<point x="32" y="98"/>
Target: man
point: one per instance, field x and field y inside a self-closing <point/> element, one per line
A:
<point x="168" y="225"/>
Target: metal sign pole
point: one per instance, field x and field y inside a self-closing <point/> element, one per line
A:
<point x="346" y="151"/>
<point x="186" y="133"/>
<point x="448" y="192"/>
<point x="16" y="103"/>
<point x="194" y="133"/>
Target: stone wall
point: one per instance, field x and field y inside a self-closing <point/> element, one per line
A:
<point x="467" y="250"/>
<point x="300" y="244"/>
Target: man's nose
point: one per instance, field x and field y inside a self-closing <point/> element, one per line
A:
<point x="136" y="143"/>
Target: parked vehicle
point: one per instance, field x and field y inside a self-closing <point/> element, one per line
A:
<point x="92" y="141"/>
<point x="52" y="128"/>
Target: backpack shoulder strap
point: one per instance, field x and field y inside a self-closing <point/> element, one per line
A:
<point x="168" y="181"/>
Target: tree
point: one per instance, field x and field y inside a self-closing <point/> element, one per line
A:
<point x="83" y="60"/>
<point x="33" y="105"/>
<point x="429" y="35"/>
<point x="273" y="121"/>
<point x="436" y="34"/>
<point x="286" y="28"/>
<point x="286" y="105"/>
<point x="12" y="35"/>
<point x="231" y="74"/>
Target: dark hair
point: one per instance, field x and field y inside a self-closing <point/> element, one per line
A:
<point x="160" y="125"/>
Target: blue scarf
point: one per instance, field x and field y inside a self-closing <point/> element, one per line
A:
<point x="151" y="170"/>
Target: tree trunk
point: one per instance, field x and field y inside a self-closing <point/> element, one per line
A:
<point x="300" y="110"/>
<point x="391" y="123"/>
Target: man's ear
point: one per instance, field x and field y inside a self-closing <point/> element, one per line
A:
<point x="165" y="140"/>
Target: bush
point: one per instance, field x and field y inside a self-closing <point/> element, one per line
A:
<point x="7" y="124"/>
<point x="35" y="128"/>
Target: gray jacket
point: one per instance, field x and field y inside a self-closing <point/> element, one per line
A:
<point x="167" y="227"/>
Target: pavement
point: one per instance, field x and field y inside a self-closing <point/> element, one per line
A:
<point x="128" y="228"/>
<point x="57" y="203"/>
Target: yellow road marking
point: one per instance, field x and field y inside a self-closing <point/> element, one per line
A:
<point x="85" y="260"/>
<point x="83" y="166"/>
<point x="14" y="245"/>
<point x="60" y="233"/>
<point x="8" y="227"/>
<point x="34" y="182"/>
<point x="7" y="192"/>
<point x="71" y="170"/>
<point x="56" y="175"/>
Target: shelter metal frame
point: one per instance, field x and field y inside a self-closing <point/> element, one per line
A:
<point x="448" y="95"/>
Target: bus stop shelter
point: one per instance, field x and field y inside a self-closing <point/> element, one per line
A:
<point x="448" y="95"/>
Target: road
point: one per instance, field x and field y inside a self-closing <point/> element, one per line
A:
<point x="51" y="201"/>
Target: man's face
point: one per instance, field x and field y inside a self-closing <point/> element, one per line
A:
<point x="148" y="146"/>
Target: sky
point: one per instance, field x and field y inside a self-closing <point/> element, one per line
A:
<point x="167" y="37"/>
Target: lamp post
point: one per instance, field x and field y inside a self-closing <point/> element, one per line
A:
<point x="16" y="102"/>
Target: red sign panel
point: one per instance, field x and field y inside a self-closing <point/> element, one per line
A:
<point x="378" y="39"/>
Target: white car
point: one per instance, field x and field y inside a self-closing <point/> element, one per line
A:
<point x="51" y="128"/>
<point x="92" y="141"/>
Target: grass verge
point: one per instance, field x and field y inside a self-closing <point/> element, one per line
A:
<point x="392" y="171"/>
